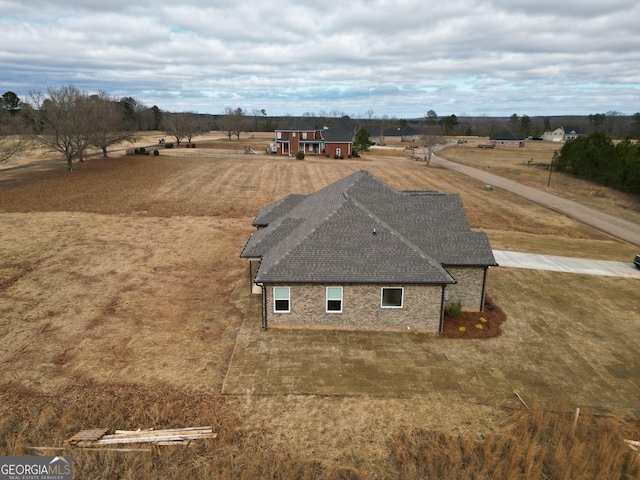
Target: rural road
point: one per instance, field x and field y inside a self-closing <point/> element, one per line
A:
<point x="612" y="225"/>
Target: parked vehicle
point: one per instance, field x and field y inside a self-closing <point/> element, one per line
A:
<point x="636" y="261"/>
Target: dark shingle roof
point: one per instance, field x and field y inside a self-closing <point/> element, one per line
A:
<point x="300" y="125"/>
<point x="505" y="136"/>
<point x="396" y="132"/>
<point x="328" y="236"/>
<point x="277" y="209"/>
<point x="342" y="130"/>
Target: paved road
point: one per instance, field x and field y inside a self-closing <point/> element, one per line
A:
<point x="614" y="226"/>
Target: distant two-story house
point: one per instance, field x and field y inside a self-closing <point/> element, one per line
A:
<point x="361" y="255"/>
<point x="307" y="137"/>
<point x="561" y="134"/>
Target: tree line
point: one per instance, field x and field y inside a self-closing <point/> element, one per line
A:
<point x="67" y="121"/>
<point x="598" y="159"/>
<point x="70" y="122"/>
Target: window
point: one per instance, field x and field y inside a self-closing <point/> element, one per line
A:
<point x="334" y="299"/>
<point x="392" y="297"/>
<point x="304" y="135"/>
<point x="278" y="134"/>
<point x="281" y="302"/>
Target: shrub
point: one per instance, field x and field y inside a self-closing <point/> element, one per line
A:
<point x="300" y="156"/>
<point x="335" y="157"/>
<point x="453" y="309"/>
<point x="136" y="151"/>
<point x="168" y="145"/>
<point x="156" y="152"/>
<point x="142" y="150"/>
<point x="191" y="145"/>
<point x="356" y="154"/>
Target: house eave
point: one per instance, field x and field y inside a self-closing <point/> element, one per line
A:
<point x="353" y="282"/>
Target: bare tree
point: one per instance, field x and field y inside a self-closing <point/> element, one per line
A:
<point x="257" y="115"/>
<point x="61" y="121"/>
<point x="193" y="125"/>
<point x="613" y="123"/>
<point x="232" y="122"/>
<point x="175" y="124"/>
<point x="431" y="138"/>
<point x="107" y="122"/>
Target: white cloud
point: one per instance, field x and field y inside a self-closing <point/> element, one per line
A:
<point x="398" y="57"/>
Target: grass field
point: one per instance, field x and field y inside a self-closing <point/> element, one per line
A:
<point x="122" y="297"/>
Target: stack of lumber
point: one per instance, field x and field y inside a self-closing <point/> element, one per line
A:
<point x="634" y="445"/>
<point x="98" y="437"/>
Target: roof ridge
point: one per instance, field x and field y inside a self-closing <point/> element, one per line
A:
<point x="393" y="231"/>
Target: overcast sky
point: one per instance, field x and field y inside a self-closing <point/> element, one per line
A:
<point x="399" y="58"/>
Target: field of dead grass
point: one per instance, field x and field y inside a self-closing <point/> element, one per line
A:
<point x="121" y="295"/>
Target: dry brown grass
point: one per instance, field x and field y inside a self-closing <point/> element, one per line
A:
<point x="121" y="295"/>
<point x="532" y="444"/>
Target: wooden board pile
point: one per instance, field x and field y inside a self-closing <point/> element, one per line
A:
<point x="97" y="437"/>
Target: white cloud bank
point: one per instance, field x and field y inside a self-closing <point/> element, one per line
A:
<point x="399" y="58"/>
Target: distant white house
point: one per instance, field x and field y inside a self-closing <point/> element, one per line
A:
<point x="561" y="134"/>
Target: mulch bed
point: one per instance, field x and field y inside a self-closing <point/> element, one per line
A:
<point x="466" y="324"/>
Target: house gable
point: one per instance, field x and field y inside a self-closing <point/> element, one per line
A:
<point x="562" y="134"/>
<point x="361" y="231"/>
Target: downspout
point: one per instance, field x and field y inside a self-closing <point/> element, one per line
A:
<point x="484" y="284"/>
<point x="264" y="306"/>
<point x="441" y="326"/>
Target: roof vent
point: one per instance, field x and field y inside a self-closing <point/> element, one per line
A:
<point x="374" y="232"/>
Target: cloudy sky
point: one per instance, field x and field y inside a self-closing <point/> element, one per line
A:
<point x="399" y="58"/>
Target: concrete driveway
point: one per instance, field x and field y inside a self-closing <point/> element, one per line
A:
<point x="555" y="263"/>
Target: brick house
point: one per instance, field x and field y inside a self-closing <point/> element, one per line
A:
<point x="361" y="255"/>
<point x="305" y="136"/>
